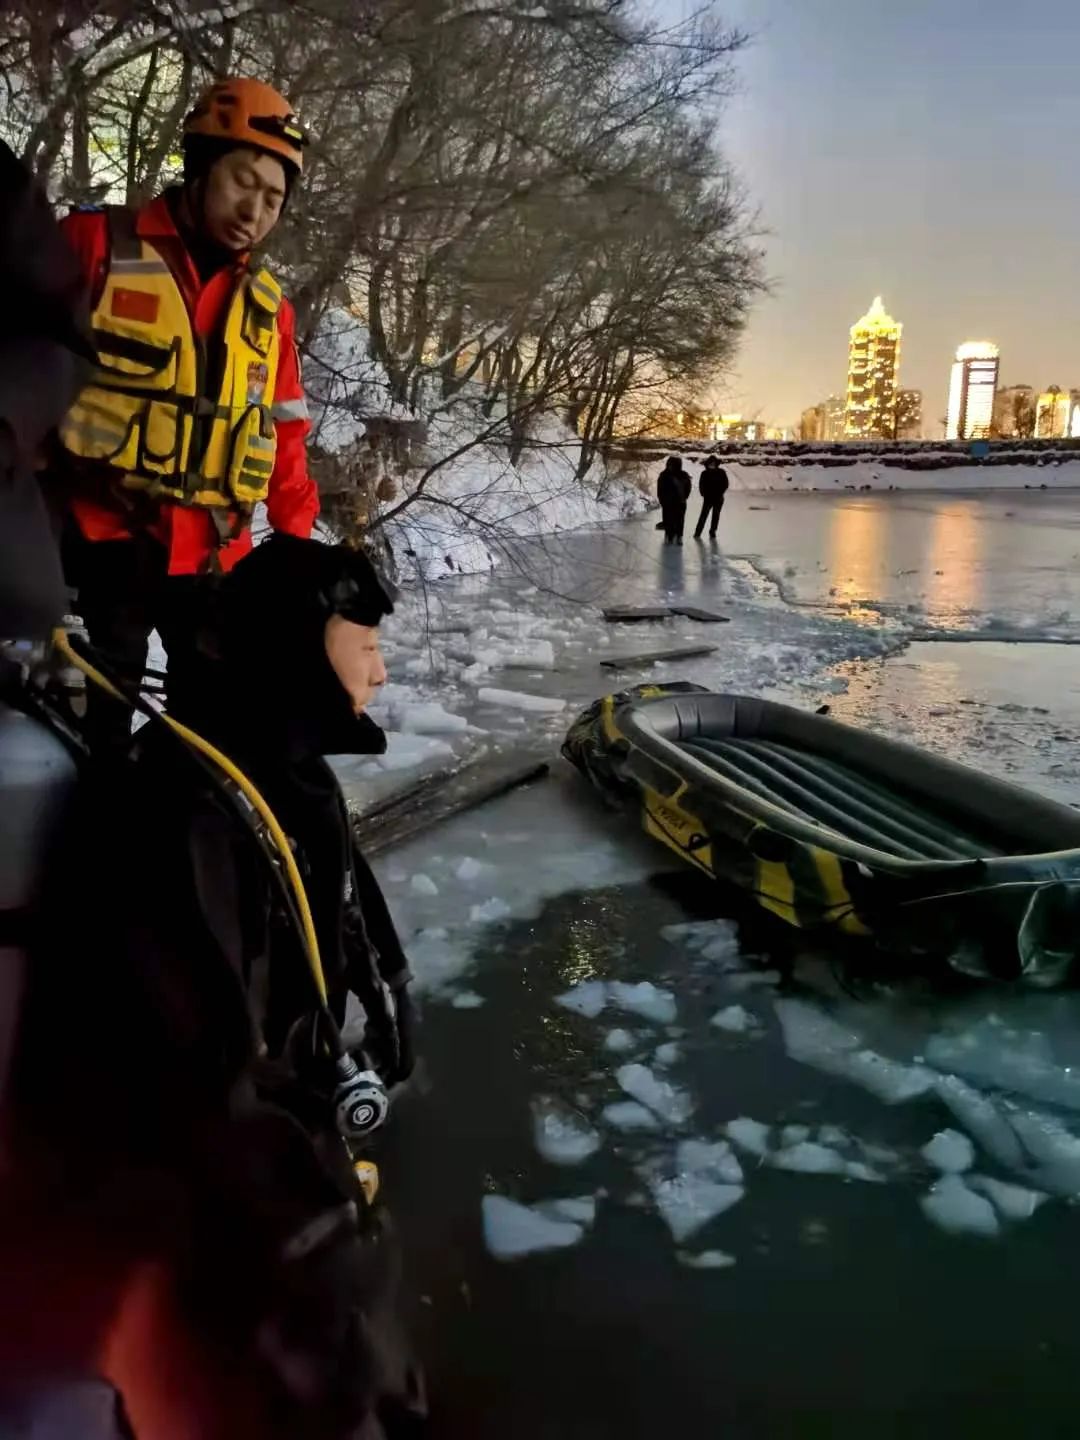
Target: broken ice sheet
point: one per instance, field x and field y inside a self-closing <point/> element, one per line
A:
<point x="587" y="998"/>
<point x="814" y="1038"/>
<point x="952" y="1206"/>
<point x="734" y="1019"/>
<point x="466" y="1000"/>
<point x="711" y="1159"/>
<point x="512" y="1230"/>
<point x="629" y="1115"/>
<point x="643" y="999"/>
<point x="750" y="1135"/>
<point x="619" y="1041"/>
<point x="667" y="1054"/>
<point x="562" y="1137"/>
<point x="580" y="1209"/>
<point x="950" y="1152"/>
<point x="1012" y="1202"/>
<point x="688" y="1202"/>
<point x="808" y="1158"/>
<point x="659" y="1096"/>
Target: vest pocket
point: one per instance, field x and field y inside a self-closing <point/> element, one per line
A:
<point x="136" y="360"/>
<point x="251" y="455"/>
<point x="165" y="439"/>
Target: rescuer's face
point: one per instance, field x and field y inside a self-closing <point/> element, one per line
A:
<point x="353" y="652"/>
<point x="242" y="202"/>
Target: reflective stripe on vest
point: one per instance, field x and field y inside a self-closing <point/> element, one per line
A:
<point x="144" y="410"/>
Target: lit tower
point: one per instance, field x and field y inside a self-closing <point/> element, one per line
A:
<point x="972" y="387"/>
<point x="873" y="370"/>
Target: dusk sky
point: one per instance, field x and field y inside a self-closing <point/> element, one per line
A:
<point x="924" y="150"/>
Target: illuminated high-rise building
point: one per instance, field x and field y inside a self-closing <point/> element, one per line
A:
<point x="873" y="369"/>
<point x="972" y="387"/>
<point x="1053" y="413"/>
<point x="909" y="415"/>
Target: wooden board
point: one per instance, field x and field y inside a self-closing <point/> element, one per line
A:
<point x="629" y="613"/>
<point x="439" y="797"/>
<point x="651" y="657"/>
<point x="694" y="612"/>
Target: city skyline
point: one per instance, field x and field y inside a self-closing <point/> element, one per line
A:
<point x="942" y="196"/>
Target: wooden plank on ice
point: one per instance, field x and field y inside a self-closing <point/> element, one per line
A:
<point x="619" y="614"/>
<point x="441" y="797"/>
<point x="694" y="612"/>
<point x="651" y="657"/>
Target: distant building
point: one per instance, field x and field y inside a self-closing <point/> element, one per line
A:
<point x="812" y="423"/>
<point x="1053" y="413"/>
<point x="972" y="387"/>
<point x="873" y="368"/>
<point x="909" y="415"/>
<point x="1014" y="413"/>
<point x="823" y="421"/>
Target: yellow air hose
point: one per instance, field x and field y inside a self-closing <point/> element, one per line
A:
<point x="62" y="643"/>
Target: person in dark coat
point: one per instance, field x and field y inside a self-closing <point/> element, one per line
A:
<point x="673" y="489"/>
<point x="713" y="486"/>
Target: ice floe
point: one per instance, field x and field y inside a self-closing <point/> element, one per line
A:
<point x="950" y="1152"/>
<point x="954" y="1207"/>
<point x="512" y="1230"/>
<point x="560" y="1136"/>
<point x="660" y="1096"/>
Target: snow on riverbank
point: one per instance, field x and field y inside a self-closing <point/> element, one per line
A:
<point x="872" y="475"/>
<point x="461" y="504"/>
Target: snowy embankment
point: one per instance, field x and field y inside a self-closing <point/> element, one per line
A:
<point x="460" y="505"/>
<point x="871" y="475"/>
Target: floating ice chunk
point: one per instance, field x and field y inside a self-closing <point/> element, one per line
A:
<point x="1055" y="1150"/>
<point x="629" y="1115"/>
<point x="512" y="1230"/>
<point x="750" y="1135"/>
<point x="467" y="1000"/>
<point x="711" y="1159"/>
<point x="950" y="1152"/>
<point x="707" y="1260"/>
<point x="518" y="700"/>
<point x="734" y="1019"/>
<point x="667" y="1054"/>
<point x="639" y="1082"/>
<point x="752" y="979"/>
<point x="689" y="1202"/>
<point x="1005" y="1060"/>
<point x="856" y="1170"/>
<point x="796" y="1134"/>
<point x="833" y="1135"/>
<point x="724" y="947"/>
<point x="809" y="1158"/>
<point x="981" y="1118"/>
<point x="1012" y="1202"/>
<point x="418" y="717"/>
<point x="561" y="1137"/>
<point x="643" y="999"/>
<point x="470" y="869"/>
<point x="540" y="655"/>
<point x="619" y="1041"/>
<point x="815" y="1038"/>
<point x="581" y="1209"/>
<point x="489" y="911"/>
<point x="424" y="885"/>
<point x="950" y="1204"/>
<point x="587" y="998"/>
<point x="890" y="1080"/>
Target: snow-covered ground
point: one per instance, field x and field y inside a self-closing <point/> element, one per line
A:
<point x="868" y="475"/>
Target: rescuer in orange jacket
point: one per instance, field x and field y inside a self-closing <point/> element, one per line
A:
<point x="196" y="411"/>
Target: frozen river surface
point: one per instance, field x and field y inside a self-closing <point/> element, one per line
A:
<point x="667" y="1166"/>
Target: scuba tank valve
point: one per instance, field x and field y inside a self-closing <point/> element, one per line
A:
<point x="361" y="1103"/>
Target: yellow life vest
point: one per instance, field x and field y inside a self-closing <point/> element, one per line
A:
<point x="146" y="411"/>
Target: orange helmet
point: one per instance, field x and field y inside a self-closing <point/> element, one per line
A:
<point x="247" y="112"/>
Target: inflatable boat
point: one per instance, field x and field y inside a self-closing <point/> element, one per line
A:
<point x="829" y="826"/>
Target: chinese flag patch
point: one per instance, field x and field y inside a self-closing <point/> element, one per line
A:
<point x="134" y="305"/>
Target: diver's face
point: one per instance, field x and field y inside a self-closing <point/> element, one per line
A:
<point x="354" y="654"/>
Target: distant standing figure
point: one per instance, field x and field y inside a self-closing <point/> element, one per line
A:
<point x="713" y="486"/>
<point x="673" y="489"/>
